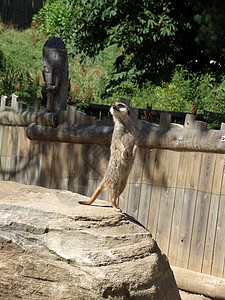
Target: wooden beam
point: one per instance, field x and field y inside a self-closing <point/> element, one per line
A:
<point x="151" y="137"/>
<point x="199" y="283"/>
<point x="182" y="139"/>
<point x="79" y="134"/>
<point x="26" y="117"/>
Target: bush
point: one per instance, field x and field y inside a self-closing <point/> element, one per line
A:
<point x="13" y="80"/>
<point x="185" y="90"/>
<point x="210" y="96"/>
<point x="55" y="19"/>
<point x="176" y="95"/>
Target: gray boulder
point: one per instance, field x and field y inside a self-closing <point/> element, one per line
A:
<point x="53" y="248"/>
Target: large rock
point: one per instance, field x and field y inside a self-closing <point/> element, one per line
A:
<point x="53" y="248"/>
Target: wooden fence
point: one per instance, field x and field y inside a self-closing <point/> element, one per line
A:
<point x="19" y="12"/>
<point x="178" y="194"/>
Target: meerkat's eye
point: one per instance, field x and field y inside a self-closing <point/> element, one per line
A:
<point x="120" y="105"/>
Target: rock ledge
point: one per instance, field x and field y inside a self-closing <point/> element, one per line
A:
<point x="53" y="248"/>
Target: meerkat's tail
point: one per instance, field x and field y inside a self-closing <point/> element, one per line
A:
<point x="97" y="192"/>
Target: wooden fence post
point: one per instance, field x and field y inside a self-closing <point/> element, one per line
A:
<point x="37" y="104"/>
<point x="191" y="123"/>
<point x="14" y="103"/>
<point x="71" y="115"/>
<point x="222" y="128"/>
<point x="3" y="103"/>
<point x="165" y="120"/>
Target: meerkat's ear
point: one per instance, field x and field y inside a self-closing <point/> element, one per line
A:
<point x="128" y="112"/>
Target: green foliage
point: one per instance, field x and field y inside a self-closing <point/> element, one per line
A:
<point x="210" y="95"/>
<point x="20" y="62"/>
<point x="176" y="95"/>
<point x="154" y="36"/>
<point x="147" y="32"/>
<point x="23" y="49"/>
<point x="87" y="83"/>
<point x="21" y="67"/>
<point x="21" y="72"/>
<point x="19" y="82"/>
<point x="180" y="94"/>
<point x="8" y="78"/>
<point x="209" y="17"/>
<point x="54" y="19"/>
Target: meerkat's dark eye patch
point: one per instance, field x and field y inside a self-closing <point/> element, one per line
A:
<point x="120" y="105"/>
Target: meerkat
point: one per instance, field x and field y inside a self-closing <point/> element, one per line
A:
<point x="122" y="152"/>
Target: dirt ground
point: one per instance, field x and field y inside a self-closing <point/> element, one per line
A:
<point x="188" y="296"/>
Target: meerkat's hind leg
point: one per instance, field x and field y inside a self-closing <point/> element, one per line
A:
<point x="94" y="196"/>
<point x="112" y="198"/>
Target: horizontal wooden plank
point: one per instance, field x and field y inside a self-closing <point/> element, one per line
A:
<point x="196" y="282"/>
<point x="25" y="118"/>
<point x="150" y="137"/>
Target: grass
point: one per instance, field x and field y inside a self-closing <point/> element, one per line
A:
<point x="22" y="48"/>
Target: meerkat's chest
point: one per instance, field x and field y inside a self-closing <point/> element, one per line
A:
<point x="128" y="140"/>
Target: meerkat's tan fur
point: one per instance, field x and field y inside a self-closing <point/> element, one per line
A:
<point x="123" y="149"/>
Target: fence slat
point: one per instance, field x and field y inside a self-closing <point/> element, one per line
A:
<point x="167" y="199"/>
<point x="218" y="255"/>
<point x="158" y="176"/>
<point x="213" y="214"/>
<point x="146" y="188"/>
<point x="193" y="163"/>
<point x="60" y="165"/>
<point x="75" y="164"/>
<point x="178" y="206"/>
<point x="46" y="156"/>
<point x="202" y="212"/>
<point x="175" y="227"/>
<point x="210" y="235"/>
<point x="135" y="180"/>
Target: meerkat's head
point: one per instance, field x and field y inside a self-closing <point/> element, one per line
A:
<point x="120" y="110"/>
